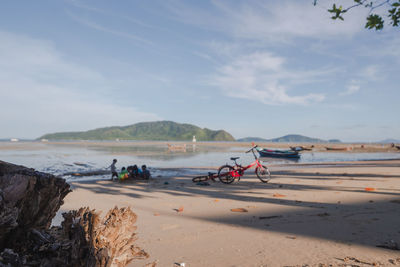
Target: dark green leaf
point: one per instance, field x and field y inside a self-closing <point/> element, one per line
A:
<point x="374" y="21"/>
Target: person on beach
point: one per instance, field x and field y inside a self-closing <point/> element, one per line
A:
<point x="123" y="174"/>
<point x="113" y="170"/>
<point x="145" y="172"/>
<point x="134" y="172"/>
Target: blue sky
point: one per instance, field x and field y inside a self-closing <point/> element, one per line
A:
<point x="253" y="68"/>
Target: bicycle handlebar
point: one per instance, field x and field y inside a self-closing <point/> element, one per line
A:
<point x="252" y="148"/>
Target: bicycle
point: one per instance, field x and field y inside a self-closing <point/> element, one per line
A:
<point x="227" y="173"/>
<point x="211" y="176"/>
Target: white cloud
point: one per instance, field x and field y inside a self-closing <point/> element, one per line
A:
<point x="41" y="89"/>
<point x="262" y="77"/>
<point x="270" y="21"/>
<point x="372" y="72"/>
<point x="352" y="88"/>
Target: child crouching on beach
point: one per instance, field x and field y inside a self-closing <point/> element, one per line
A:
<point x="123" y="174"/>
<point x="145" y="172"/>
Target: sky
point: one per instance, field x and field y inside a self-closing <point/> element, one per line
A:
<point x="253" y="68"/>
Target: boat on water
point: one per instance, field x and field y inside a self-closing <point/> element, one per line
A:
<point x="301" y="148"/>
<point x="275" y="153"/>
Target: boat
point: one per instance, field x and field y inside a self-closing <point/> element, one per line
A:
<point x="278" y="153"/>
<point x="301" y="148"/>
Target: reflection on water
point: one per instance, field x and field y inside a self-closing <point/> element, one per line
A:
<point x="62" y="158"/>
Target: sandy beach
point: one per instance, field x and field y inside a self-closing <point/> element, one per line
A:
<point x="313" y="215"/>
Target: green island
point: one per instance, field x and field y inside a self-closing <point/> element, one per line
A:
<point x="150" y="131"/>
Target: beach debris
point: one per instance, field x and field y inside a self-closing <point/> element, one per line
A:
<point x="278" y="195"/>
<point x="29" y="200"/>
<point x="239" y="210"/>
<point x="110" y="240"/>
<point x="291" y="237"/>
<point x="151" y="264"/>
<point x="269" y="217"/>
<point x="251" y="207"/>
<point x="369" y="189"/>
<point x="216" y="200"/>
<point x="180" y="209"/>
<point x="87" y="173"/>
<point x="394" y="261"/>
<point x="156" y="214"/>
<point x="391" y="244"/>
<point x="166" y="183"/>
<point x="351" y="260"/>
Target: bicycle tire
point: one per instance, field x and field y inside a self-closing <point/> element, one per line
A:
<point x="224" y="174"/>
<point x="202" y="178"/>
<point x="263" y="174"/>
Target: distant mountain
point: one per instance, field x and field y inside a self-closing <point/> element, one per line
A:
<point x="291" y="138"/>
<point x="296" y="138"/>
<point x="252" y="139"/>
<point x="389" y="141"/>
<point x="159" y="130"/>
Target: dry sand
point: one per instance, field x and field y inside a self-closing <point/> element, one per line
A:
<point x="315" y="214"/>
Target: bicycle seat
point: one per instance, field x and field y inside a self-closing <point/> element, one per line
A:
<point x="235" y="158"/>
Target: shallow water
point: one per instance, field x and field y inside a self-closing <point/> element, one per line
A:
<point x="62" y="158"/>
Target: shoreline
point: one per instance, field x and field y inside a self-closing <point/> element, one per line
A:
<point x="318" y="147"/>
<point x="319" y="212"/>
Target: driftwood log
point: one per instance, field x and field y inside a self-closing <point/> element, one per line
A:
<point x="29" y="201"/>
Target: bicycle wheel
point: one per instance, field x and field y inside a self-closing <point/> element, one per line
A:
<point x="224" y="174"/>
<point x="263" y="174"/>
<point x="202" y="178"/>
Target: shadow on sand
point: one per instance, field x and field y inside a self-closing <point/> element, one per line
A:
<point x="367" y="222"/>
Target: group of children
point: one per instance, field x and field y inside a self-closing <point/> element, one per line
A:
<point x="131" y="172"/>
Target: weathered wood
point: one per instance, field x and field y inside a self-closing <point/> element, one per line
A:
<point x="29" y="201"/>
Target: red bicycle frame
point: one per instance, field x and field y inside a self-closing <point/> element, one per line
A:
<point x="239" y="169"/>
<point x="227" y="173"/>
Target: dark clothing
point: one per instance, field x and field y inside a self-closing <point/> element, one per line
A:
<point x="146" y="174"/>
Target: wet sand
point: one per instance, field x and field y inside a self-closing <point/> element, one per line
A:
<point x="331" y="213"/>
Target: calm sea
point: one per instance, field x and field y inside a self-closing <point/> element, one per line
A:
<point x="59" y="159"/>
